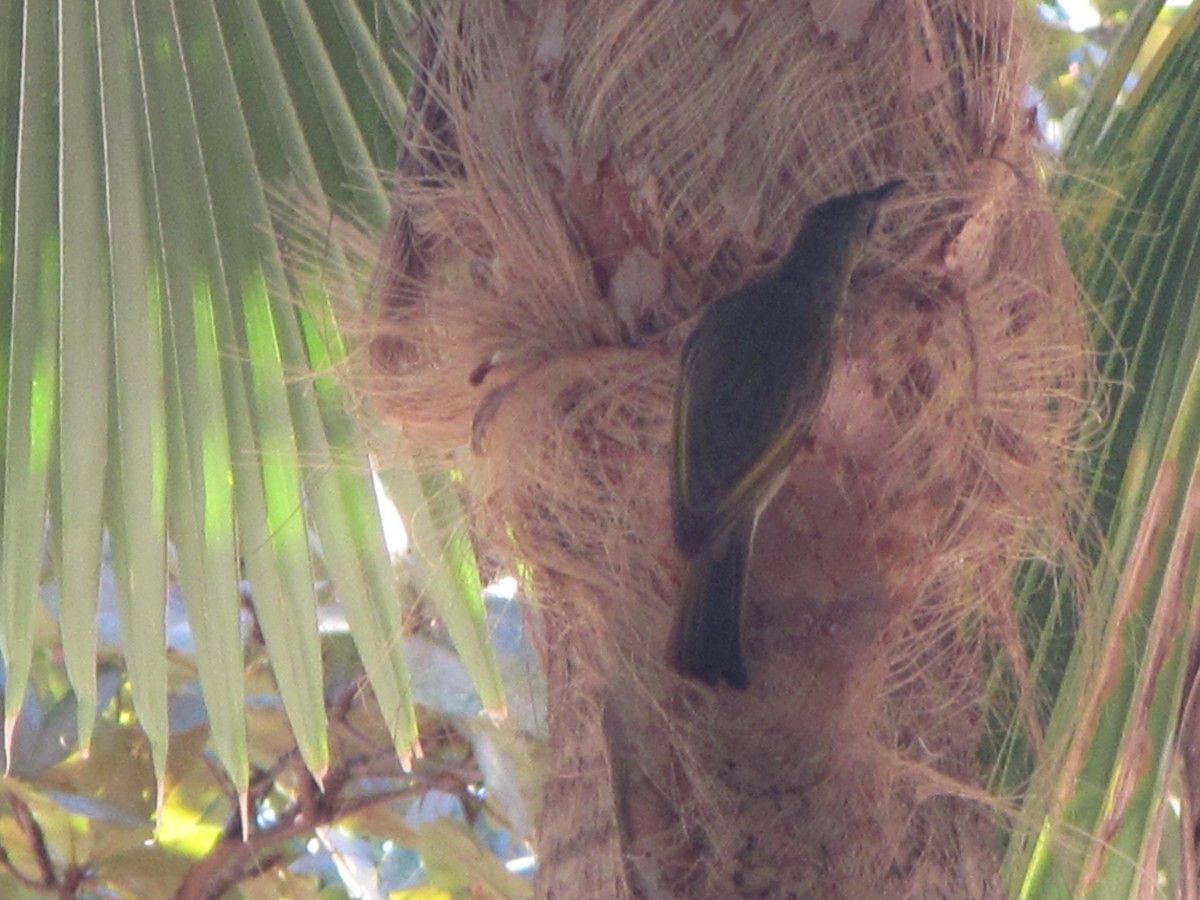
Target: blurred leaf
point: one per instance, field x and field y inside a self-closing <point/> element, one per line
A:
<point x="270" y="736"/>
<point x="421" y="893"/>
<point x="148" y="870"/>
<point x="55" y="735"/>
<point x="509" y="762"/>
<point x="281" y="883"/>
<point x="181" y="828"/>
<point x="456" y="863"/>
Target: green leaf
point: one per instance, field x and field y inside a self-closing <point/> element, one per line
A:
<point x="137" y="500"/>
<point x="1107" y="827"/>
<point x="30" y="416"/>
<point x="450" y="572"/>
<point x="200" y="505"/>
<point x="165" y="346"/>
<point x="277" y="558"/>
<point x="84" y="356"/>
<point x="457" y="863"/>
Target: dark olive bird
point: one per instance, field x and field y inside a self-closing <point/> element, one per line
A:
<point x="754" y="375"/>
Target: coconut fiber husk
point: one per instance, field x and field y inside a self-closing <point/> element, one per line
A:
<point x="577" y="180"/>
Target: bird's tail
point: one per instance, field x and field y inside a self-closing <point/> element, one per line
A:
<point x="706" y="642"/>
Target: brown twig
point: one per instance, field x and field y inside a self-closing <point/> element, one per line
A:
<point x="232" y="859"/>
<point x="66" y="886"/>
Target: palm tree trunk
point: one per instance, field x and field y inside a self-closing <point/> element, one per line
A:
<point x="579" y="177"/>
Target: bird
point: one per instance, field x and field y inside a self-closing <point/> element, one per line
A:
<point x="754" y="373"/>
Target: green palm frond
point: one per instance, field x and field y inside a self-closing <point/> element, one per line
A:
<point x="170" y="373"/>
<point x="1109" y="800"/>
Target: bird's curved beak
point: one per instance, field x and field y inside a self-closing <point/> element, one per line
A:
<point x="884" y="191"/>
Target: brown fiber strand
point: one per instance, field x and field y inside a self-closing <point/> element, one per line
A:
<point x="577" y="180"/>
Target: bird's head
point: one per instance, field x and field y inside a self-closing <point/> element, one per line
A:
<point x="849" y="219"/>
<point x="835" y="232"/>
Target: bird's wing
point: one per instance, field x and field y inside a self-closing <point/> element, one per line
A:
<point x="730" y="436"/>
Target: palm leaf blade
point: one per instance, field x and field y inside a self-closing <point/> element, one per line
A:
<point x="137" y="508"/>
<point x="83" y="379"/>
<point x="1108" y="830"/>
<point x="32" y="359"/>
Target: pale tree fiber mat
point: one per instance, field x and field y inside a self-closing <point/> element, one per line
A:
<point x="578" y="179"/>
